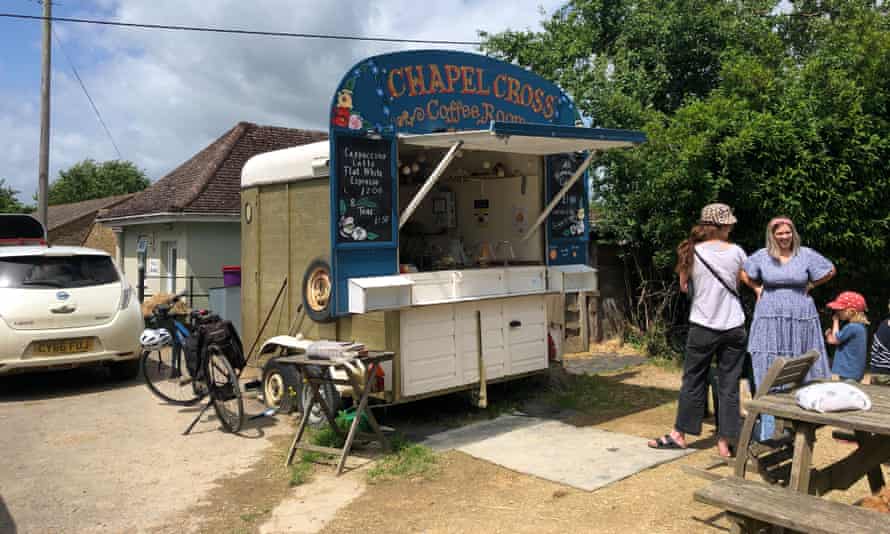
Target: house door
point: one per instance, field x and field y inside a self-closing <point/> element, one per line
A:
<point x="168" y="267"/>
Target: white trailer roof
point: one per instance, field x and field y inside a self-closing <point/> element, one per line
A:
<point x="303" y="162"/>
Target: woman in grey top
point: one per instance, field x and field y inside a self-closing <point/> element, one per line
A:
<point x="716" y="328"/>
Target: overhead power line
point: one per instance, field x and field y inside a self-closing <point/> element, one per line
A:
<point x="241" y="32"/>
<point x="87" y="93"/>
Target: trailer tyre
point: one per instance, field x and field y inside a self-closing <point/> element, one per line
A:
<point x="281" y="386"/>
<point x="318" y="289"/>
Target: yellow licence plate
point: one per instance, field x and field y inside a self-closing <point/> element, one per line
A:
<point x="63" y="346"/>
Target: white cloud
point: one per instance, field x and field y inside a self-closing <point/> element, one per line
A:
<point x="166" y="94"/>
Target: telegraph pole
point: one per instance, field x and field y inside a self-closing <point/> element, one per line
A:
<point x="43" y="172"/>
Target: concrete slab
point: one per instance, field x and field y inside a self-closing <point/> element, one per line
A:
<point x="476" y="432"/>
<point x="582" y="457"/>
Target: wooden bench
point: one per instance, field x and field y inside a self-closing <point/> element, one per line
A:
<point x="754" y="506"/>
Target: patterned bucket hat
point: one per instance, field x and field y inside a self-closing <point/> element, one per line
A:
<point x="718" y="214"/>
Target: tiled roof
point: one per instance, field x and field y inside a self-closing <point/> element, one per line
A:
<point x="62" y="214"/>
<point x="210" y="182"/>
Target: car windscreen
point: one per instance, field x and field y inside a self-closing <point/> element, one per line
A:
<point x="56" y="271"/>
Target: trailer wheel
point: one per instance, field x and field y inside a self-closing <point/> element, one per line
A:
<point x="318" y="288"/>
<point x="281" y="386"/>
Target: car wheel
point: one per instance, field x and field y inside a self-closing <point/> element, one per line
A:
<point x="124" y="370"/>
<point x="281" y="386"/>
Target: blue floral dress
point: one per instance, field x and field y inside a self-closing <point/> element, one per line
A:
<point x="786" y="323"/>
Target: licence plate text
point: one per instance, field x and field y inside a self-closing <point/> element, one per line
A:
<point x="63" y="346"/>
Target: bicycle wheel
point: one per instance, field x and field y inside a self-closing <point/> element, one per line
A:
<point x="225" y="391"/>
<point x="168" y="377"/>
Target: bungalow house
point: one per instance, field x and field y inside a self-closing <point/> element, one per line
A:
<point x="191" y="218"/>
<point x="74" y="224"/>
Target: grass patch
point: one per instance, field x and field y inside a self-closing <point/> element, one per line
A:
<point x="658" y="342"/>
<point x="300" y="472"/>
<point x="606" y="396"/>
<point x="251" y="517"/>
<point x="408" y="460"/>
<point x="326" y="437"/>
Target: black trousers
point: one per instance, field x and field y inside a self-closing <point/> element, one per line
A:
<point x="702" y="345"/>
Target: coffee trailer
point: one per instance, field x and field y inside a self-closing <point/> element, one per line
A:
<point x="447" y="212"/>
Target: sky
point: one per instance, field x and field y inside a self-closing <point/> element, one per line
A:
<point x="165" y="95"/>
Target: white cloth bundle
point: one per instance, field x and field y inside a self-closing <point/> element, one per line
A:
<point x="832" y="397"/>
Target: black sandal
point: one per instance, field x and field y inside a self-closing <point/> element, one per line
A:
<point x="665" y="442"/>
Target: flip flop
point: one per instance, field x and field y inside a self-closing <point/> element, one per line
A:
<point x="665" y="442"/>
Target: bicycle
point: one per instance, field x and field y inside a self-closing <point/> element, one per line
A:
<point x="183" y="373"/>
<point x="163" y="363"/>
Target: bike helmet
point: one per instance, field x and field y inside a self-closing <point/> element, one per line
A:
<point x="154" y="339"/>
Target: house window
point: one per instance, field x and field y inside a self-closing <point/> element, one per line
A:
<point x="168" y="266"/>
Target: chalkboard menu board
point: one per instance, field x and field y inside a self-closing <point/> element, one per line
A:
<point x="364" y="189"/>
<point x="567" y="218"/>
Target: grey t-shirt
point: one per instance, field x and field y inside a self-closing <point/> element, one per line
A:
<point x="712" y="305"/>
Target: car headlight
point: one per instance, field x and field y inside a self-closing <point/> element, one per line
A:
<point x="126" y="294"/>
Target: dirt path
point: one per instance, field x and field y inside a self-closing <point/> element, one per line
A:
<point x="87" y="455"/>
<point x="475" y="496"/>
<point x="84" y="454"/>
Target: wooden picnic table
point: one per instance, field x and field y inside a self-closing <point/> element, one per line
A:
<point x="753" y="506"/>
<point x="360" y="372"/>
<point x="871" y="429"/>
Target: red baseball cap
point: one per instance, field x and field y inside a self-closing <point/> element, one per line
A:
<point x="848" y="300"/>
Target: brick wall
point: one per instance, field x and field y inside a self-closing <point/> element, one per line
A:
<point x="73" y="233"/>
<point x="102" y="238"/>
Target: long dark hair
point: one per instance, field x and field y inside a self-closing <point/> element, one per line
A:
<point x="686" y="249"/>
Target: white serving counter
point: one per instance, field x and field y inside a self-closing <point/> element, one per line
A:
<point x="443" y="287"/>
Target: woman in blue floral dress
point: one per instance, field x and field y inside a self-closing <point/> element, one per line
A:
<point x="786" y="323"/>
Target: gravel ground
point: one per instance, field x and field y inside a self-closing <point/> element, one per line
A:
<point x="83" y="453"/>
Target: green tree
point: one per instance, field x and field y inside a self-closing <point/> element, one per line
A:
<point x="773" y="113"/>
<point x="9" y="202"/>
<point x="88" y="179"/>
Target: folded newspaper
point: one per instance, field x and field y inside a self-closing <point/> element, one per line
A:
<point x="335" y="350"/>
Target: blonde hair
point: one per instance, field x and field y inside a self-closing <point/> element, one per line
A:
<point x="859" y="317"/>
<point x="772" y="246"/>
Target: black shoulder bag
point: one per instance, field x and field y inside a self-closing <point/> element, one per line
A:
<point x="733" y="292"/>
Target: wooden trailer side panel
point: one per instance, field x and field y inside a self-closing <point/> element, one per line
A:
<point x="289" y="228"/>
<point x="249" y="264"/>
<point x="273" y="258"/>
<point x="309" y="230"/>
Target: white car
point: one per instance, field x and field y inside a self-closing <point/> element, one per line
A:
<point x="63" y="307"/>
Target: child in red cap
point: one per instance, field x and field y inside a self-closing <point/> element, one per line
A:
<point x="852" y="339"/>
